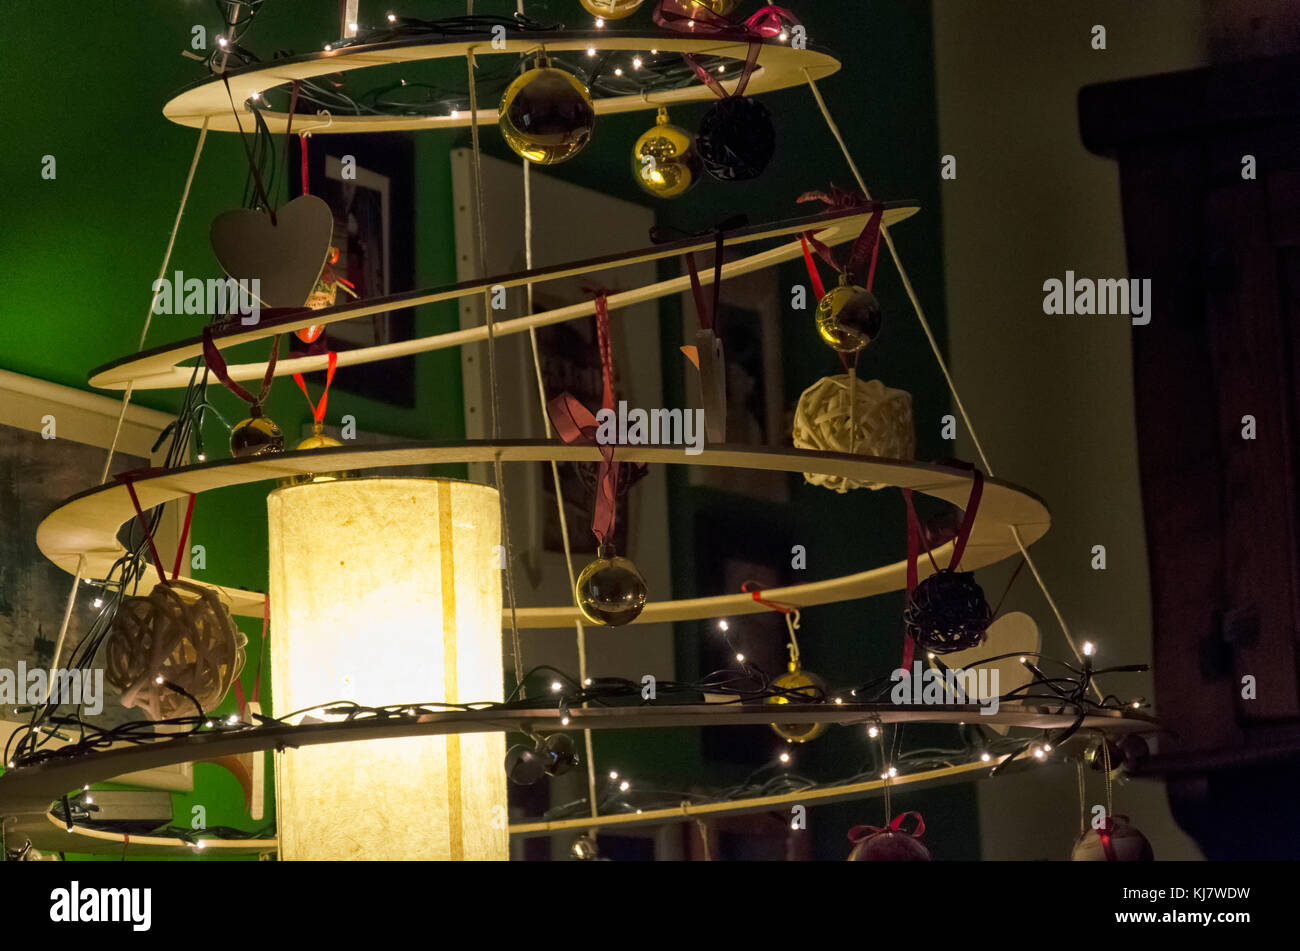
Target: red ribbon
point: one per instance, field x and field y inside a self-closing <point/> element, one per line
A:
<point x="217" y="364"/>
<point x="687" y="16"/>
<point x="129" y="479"/>
<point x="757" y="595"/>
<point x="958" y="548"/>
<point x="708" y="319"/>
<point x="704" y="76"/>
<point x="318" y="409"/>
<point x="576" y="425"/>
<point x="860" y="833"/>
<point x="867" y="244"/>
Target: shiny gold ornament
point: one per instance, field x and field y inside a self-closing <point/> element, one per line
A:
<point x="848" y="317"/>
<point x="801" y="682"/>
<point x="665" y="161"/>
<point x="611" y="590"/>
<point x="723" y="8"/>
<point x="318" y="440"/>
<point x="256" y="436"/>
<point x="611" y="9"/>
<point x="547" y="115"/>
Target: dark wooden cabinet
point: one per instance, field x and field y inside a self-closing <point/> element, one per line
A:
<point x="1217" y="392"/>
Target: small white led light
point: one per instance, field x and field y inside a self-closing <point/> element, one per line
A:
<point x="985" y="757"/>
<point x="636" y="62"/>
<point x="624" y="786"/>
<point x="600" y="23"/>
<point x="98" y="602"/>
<point x="1088" y="649"/>
<point x="555" y="686"/>
<point x="392" y="18"/>
<point x="785" y="757"/>
<point x="873" y="731"/>
<point x="618" y="71"/>
<point x="613" y="774"/>
<point x="740" y="657"/>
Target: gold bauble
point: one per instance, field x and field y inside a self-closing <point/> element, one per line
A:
<point x="801" y="682"/>
<point x="256" y="436"/>
<point x="848" y="317"/>
<point x="611" y="9"/>
<point x="610" y="590"/>
<point x="664" y="159"/>
<point x="723" y="8"/>
<point x="547" y="115"/>
<point x="317" y="440"/>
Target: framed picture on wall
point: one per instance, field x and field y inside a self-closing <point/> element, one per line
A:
<point x="368" y="182"/>
<point x="749" y="314"/>
<point x="53" y="444"/>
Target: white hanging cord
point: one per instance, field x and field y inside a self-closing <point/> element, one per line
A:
<point x="126" y="396"/>
<point x="792" y="625"/>
<point x="943" y="366"/>
<point x="162" y="274"/>
<point x="495" y="401"/>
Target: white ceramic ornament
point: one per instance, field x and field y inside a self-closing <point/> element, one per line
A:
<point x="286" y="258"/>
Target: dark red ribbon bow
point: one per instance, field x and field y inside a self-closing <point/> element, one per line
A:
<point x="688" y="16"/>
<point x="860" y="833"/>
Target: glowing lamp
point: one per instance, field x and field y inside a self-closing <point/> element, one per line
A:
<point x="386" y="591"/>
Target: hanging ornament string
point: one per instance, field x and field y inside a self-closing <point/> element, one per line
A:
<point x="318" y="409"/>
<point x="128" y="478"/>
<point x="789" y="611"/>
<point x="914" y="547"/>
<point x="248" y="153"/>
<point x="257" y="680"/>
<point x="866" y="248"/>
<point x="704" y="76"/>
<point x="576" y="425"/>
<point x="687" y="16"/>
<point x="217" y="364"/>
<point x="709" y="319"/>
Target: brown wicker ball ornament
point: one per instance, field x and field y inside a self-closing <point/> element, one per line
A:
<point x="183" y="633"/>
<point x="948" y="612"/>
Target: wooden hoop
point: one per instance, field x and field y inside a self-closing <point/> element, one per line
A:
<point x="779" y="67"/>
<point x="88" y="523"/>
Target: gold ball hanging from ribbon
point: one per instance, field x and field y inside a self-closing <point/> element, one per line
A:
<point x="546" y="115"/>
<point x="665" y="161"/>
<point x="256" y="436"/>
<point x="848" y="317"/>
<point x="611" y="9"/>
<point x="610" y="590"/>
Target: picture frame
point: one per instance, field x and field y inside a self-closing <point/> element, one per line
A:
<point x="368" y="182"/>
<point x="53" y="444"/>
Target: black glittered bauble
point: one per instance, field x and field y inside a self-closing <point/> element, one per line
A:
<point x="948" y="612"/>
<point x="525" y="765"/>
<point x="256" y="436"/>
<point x="611" y="590"/>
<point x="890" y="846"/>
<point x="736" y="139"/>
<point x="563" y="754"/>
<point x="1116" y="841"/>
<point x="848" y="317"/>
<point x="547" y="115"/>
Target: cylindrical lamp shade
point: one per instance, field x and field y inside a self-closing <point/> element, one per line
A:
<point x="388" y="591"/>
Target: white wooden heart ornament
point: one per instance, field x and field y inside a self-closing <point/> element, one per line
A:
<point x="286" y="258"/>
<point x="1011" y="633"/>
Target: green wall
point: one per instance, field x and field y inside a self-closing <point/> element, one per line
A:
<point x="81" y="253"/>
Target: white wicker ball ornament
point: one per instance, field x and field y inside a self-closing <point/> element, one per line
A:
<point x="877" y="421"/>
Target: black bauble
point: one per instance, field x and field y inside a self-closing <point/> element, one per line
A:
<point x="564" y="755"/>
<point x="525" y="765"/>
<point x="736" y="140"/>
<point x="948" y="612"/>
